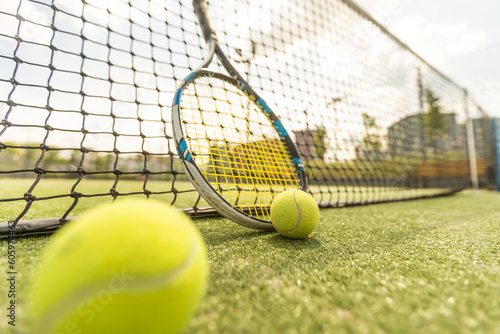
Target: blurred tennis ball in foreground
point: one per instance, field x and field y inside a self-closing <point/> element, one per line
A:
<point x="133" y="266"/>
<point x="294" y="214"/>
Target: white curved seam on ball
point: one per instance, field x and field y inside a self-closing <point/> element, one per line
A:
<point x="71" y="303"/>
<point x="298" y="218"/>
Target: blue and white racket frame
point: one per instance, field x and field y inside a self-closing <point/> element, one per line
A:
<point x="193" y="172"/>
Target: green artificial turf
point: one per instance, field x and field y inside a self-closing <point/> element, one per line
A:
<point x="423" y="266"/>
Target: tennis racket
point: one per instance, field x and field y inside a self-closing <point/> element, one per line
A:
<point x="233" y="147"/>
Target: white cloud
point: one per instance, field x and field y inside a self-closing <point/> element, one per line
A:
<point x="435" y="42"/>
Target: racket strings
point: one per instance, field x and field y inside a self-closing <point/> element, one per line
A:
<point x="235" y="145"/>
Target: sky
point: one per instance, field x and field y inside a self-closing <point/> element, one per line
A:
<point x="461" y="38"/>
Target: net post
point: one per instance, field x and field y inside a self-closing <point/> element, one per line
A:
<point x="471" y="145"/>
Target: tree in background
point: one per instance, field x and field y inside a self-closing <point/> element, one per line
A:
<point x="435" y="122"/>
<point x="372" y="142"/>
<point x="320" y="142"/>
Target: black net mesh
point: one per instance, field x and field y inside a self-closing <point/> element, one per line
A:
<point x="86" y="89"/>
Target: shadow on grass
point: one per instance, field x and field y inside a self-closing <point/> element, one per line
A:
<point x="271" y="238"/>
<point x="228" y="237"/>
<point x="279" y="241"/>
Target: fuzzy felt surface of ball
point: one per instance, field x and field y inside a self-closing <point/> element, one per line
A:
<point x="133" y="266"/>
<point x="294" y="214"/>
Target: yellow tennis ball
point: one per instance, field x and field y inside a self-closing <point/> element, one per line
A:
<point x="294" y="214"/>
<point x="133" y="266"/>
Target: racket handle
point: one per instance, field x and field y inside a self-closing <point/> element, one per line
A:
<point x="201" y="10"/>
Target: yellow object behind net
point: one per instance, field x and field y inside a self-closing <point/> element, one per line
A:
<point x="235" y="146"/>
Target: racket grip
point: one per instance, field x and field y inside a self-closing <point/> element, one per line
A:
<point x="201" y="10"/>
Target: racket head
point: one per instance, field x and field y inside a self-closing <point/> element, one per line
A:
<point x="234" y="149"/>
